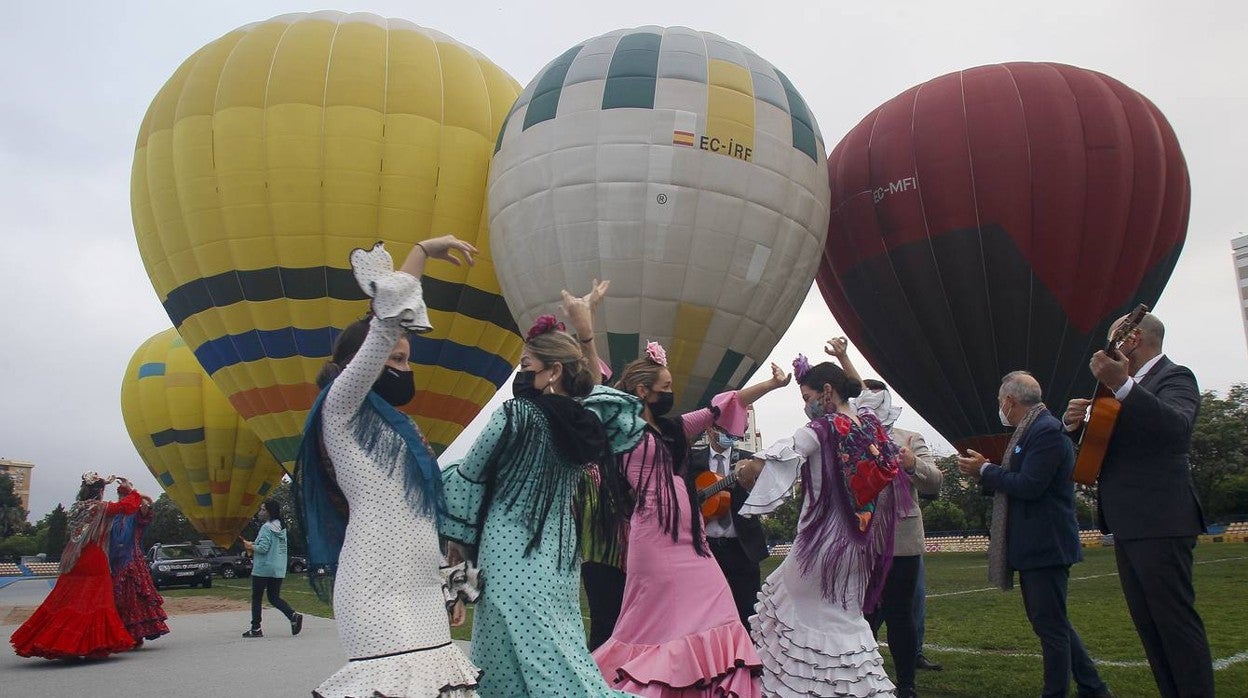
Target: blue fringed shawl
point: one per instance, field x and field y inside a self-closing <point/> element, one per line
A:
<point x="391" y="439"/>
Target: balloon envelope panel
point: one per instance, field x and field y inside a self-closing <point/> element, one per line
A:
<point x="196" y="445"/>
<point x="684" y="168"/>
<point x="996" y="219"/>
<point x="274" y="151"/>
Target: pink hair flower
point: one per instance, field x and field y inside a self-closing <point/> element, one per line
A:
<point x="800" y="366"/>
<point x="544" y="324"/>
<point x="656" y="353"/>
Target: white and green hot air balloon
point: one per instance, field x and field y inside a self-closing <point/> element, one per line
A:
<point x="684" y="168"/>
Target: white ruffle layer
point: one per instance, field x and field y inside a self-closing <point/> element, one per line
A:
<point x="804" y="662"/>
<point x="395" y="294"/>
<point x="444" y="672"/>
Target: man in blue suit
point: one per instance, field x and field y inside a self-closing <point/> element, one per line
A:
<point x="1041" y="533"/>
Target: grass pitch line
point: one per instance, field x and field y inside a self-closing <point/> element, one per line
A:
<point x="1073" y="579"/>
<point x="1218" y="664"/>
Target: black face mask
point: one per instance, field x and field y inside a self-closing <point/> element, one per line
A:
<point x="522" y="385"/>
<point x="395" y="387"/>
<point x="663" y="404"/>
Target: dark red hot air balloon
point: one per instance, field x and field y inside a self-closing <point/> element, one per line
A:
<point x="994" y="219"/>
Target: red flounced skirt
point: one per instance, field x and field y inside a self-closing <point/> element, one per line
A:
<point x="78" y="618"/>
<point x="140" y="606"/>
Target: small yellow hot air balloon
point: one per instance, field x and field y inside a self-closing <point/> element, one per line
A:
<point x="274" y="151"/>
<point x="201" y="451"/>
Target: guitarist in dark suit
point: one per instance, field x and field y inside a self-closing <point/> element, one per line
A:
<point x="1148" y="501"/>
<point x="738" y="543"/>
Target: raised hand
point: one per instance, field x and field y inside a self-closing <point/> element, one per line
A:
<point x="1111" y="370"/>
<point x="580" y="309"/>
<point x="446" y="247"/>
<point x="837" y="347"/>
<point x="779" y="378"/>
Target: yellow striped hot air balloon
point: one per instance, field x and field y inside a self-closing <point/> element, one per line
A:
<point x="200" y="450"/>
<point x="275" y="150"/>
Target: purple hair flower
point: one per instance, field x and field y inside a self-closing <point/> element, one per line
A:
<point x="800" y="366"/>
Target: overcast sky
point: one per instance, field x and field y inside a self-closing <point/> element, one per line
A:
<point x="75" y="300"/>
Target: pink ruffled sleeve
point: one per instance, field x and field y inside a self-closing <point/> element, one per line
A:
<point x="732" y="416"/>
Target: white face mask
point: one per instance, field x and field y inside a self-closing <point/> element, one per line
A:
<point x="1005" y="421"/>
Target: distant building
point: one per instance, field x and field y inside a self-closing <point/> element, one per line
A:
<point x="19" y="471"/>
<point x="1239" y="247"/>
<point x="753" y="438"/>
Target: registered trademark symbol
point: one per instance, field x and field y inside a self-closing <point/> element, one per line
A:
<point x="661" y="198"/>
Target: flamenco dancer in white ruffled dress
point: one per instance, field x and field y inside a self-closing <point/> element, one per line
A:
<point x="360" y="454"/>
<point x="809" y="625"/>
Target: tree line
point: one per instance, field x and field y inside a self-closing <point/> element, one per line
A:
<point x="1219" y="458"/>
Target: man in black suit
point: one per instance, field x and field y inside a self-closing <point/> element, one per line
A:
<point x="738" y="543"/>
<point x="1148" y="501"/>
<point x="1041" y="533"/>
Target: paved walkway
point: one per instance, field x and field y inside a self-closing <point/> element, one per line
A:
<point x="204" y="656"/>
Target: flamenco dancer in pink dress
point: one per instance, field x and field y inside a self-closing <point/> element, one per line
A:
<point x="679" y="634"/>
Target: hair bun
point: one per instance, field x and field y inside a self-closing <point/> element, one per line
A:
<point x="328" y="373"/>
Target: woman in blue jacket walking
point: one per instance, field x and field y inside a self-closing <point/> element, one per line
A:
<point x="269" y="550"/>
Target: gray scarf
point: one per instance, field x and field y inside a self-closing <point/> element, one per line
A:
<point x="999" y="572"/>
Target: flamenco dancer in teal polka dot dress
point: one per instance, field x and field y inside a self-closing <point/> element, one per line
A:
<point x="511" y="504"/>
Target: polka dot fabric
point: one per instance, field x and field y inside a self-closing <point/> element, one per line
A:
<point x="527" y="634"/>
<point x="388" y="597"/>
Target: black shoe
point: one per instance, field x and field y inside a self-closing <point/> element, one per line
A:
<point x="296" y="623"/>
<point x="1103" y="693"/>
<point x="927" y="665"/>
<point x="906" y="693"/>
<point x="254" y="632"/>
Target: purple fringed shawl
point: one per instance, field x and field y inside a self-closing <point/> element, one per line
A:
<point x="830" y="540"/>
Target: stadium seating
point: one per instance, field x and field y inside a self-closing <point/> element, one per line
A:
<point x="45" y="568"/>
<point x="8" y="569"/>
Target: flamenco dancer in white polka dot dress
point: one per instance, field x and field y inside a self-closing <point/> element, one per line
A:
<point x="359" y="452"/>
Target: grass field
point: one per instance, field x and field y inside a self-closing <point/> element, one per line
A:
<point x="982" y="636"/>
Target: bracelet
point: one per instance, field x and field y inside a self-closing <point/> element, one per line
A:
<point x="422" y="249"/>
<point x="587" y="341"/>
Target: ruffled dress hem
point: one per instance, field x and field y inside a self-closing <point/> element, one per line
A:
<point x="68" y="634"/>
<point x="721" y="660"/>
<point x="442" y="672"/>
<point x="806" y="662"/>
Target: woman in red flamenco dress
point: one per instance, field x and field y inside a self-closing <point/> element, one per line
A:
<point x="79" y="618"/>
<point x="138" y="603"/>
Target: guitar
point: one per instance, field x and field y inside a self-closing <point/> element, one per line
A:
<point x="1104" y="411"/>
<point x="713" y="494"/>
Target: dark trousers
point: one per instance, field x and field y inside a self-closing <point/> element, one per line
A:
<point x="920" y="606"/>
<point x="272" y="585"/>
<point x="604" y="590"/>
<point x="1044" y="598"/>
<point x="1156" y="577"/>
<point x="897" y="610"/>
<point x="743" y="575"/>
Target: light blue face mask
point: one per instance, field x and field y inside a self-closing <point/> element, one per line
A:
<point x="725" y="441"/>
